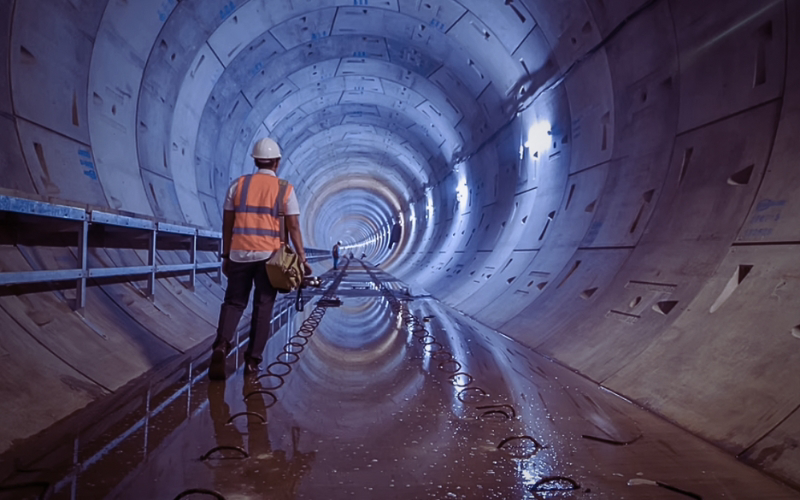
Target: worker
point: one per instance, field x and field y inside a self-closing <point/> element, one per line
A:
<point x="335" y="254"/>
<point x="250" y="235"/>
<point x="397" y="232"/>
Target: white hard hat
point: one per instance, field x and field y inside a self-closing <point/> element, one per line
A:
<point x="266" y="149"/>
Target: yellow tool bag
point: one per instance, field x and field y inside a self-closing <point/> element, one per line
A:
<point x="284" y="269"/>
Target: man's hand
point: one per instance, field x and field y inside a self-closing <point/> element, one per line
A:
<point x="225" y="261"/>
<point x="307" y="268"/>
<point x="228" y="220"/>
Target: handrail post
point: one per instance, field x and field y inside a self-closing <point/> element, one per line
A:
<point x="83" y="248"/>
<point x="151" y="261"/>
<point x="193" y="260"/>
<point x="218" y="278"/>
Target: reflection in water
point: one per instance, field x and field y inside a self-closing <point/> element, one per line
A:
<point x="266" y="472"/>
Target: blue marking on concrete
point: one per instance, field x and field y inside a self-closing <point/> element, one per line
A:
<point x="766" y="204"/>
<point x="85" y="159"/>
<point x="594" y="231"/>
<point x="258" y="67"/>
<point x="165" y="9"/>
<point x="758" y="233"/>
<point x="227" y="10"/>
<point x="438" y="24"/>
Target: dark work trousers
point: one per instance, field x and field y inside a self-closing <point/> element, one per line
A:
<point x="335" y="262"/>
<point x="241" y="277"/>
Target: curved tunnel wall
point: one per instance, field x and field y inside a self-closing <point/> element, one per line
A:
<point x="614" y="186"/>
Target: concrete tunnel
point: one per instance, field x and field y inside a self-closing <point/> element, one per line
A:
<point x="608" y="190"/>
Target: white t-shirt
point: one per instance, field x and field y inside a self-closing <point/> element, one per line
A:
<point x="292" y="208"/>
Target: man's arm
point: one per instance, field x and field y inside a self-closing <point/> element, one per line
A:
<point x="228" y="218"/>
<point x="293" y="225"/>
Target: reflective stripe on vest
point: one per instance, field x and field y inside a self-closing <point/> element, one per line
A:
<point x="257" y="225"/>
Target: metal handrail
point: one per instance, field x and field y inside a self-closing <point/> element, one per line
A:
<point x="84" y="219"/>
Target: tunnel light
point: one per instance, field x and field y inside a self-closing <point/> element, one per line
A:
<point x="430" y="204"/>
<point x="539" y="137"/>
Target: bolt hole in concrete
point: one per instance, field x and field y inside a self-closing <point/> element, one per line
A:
<point x="796" y="332"/>
<point x="569" y="198"/>
<point x="742" y="177"/>
<point x="739" y="274"/>
<point x="587" y="294"/>
<point x="665" y="306"/>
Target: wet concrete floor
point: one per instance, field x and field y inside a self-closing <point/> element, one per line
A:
<point x="390" y="398"/>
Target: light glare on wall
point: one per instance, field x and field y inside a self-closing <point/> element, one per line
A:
<point x="462" y="190"/>
<point x="539" y="137"/>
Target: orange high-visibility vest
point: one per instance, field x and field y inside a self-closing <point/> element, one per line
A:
<point x="257" y="226"/>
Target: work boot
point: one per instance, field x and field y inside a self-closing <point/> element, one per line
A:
<point x="216" y="370"/>
<point x="251" y="366"/>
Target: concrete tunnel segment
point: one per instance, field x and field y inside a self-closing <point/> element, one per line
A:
<point x="615" y="186"/>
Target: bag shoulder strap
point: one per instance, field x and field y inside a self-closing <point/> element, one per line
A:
<point x="284" y="185"/>
<point x="242" y="190"/>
